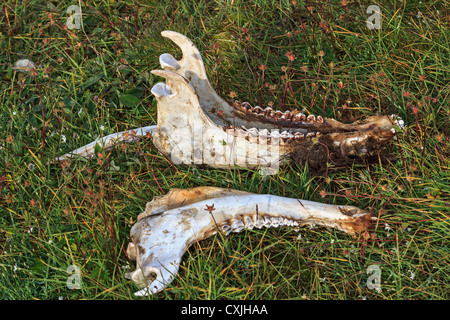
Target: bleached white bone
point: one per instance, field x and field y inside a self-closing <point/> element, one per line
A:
<point x="171" y="223"/>
<point x="109" y="141"/>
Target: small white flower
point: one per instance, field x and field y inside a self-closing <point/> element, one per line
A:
<point x="398" y="121"/>
<point x="14" y="113"/>
<point x="63" y="138"/>
<point x="386" y="227"/>
<point x="102" y="127"/>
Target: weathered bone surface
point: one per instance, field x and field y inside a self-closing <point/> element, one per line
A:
<point x="109" y="141"/>
<point x="171" y="223"/>
<point x="196" y="126"/>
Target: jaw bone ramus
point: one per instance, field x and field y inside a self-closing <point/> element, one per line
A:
<point x="171" y="223"/>
<point x="196" y="126"/>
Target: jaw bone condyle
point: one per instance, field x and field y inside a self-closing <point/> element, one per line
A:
<point x="171" y="223"/>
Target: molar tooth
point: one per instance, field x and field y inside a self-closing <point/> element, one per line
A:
<point x="246" y="106"/>
<point x="311" y="118"/>
<point x="268" y="112"/>
<point x="299" y="135"/>
<point x="237" y="226"/>
<point x="257" y="109"/>
<point x="276" y="221"/>
<point x="319" y="119"/>
<point x="275" y="134"/>
<point x="264" y="133"/>
<point x="226" y="228"/>
<point x="288" y="115"/>
<point x="259" y="223"/>
<point x="285" y="134"/>
<point x="278" y="113"/>
<point x="267" y="221"/>
<point x="300" y="117"/>
<point x="310" y="134"/>
<point x="253" y="131"/>
<point x="248" y="222"/>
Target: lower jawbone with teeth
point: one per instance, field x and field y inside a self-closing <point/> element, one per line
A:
<point x="172" y="223"/>
<point x="196" y="126"/>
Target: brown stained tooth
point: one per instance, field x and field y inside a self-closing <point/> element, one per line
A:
<point x="299" y="117"/>
<point x="288" y="115"/>
<point x="319" y="119"/>
<point x="311" y="118"/>
<point x="285" y="136"/>
<point x="299" y="135"/>
<point x="310" y="134"/>
<point x="246" y="106"/>
<point x="257" y="110"/>
<point x="278" y="113"/>
<point x="268" y="112"/>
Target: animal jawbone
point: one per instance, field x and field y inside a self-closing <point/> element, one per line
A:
<point x="171" y="223"/>
<point x="196" y="126"/>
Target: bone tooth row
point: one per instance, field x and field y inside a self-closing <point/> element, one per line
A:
<point x="287" y="115"/>
<point x="248" y="222"/>
<point x="242" y="131"/>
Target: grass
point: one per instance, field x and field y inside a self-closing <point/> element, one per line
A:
<point x="317" y="56"/>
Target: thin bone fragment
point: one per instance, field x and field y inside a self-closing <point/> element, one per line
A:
<point x="107" y="142"/>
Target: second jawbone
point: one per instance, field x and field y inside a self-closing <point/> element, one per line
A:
<point x="171" y="223"/>
<point x="196" y="126"/>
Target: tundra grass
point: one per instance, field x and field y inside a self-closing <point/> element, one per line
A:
<point x="64" y="228"/>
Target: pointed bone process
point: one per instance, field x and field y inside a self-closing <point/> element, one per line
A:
<point x="171" y="223"/>
<point x="196" y="126"/>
